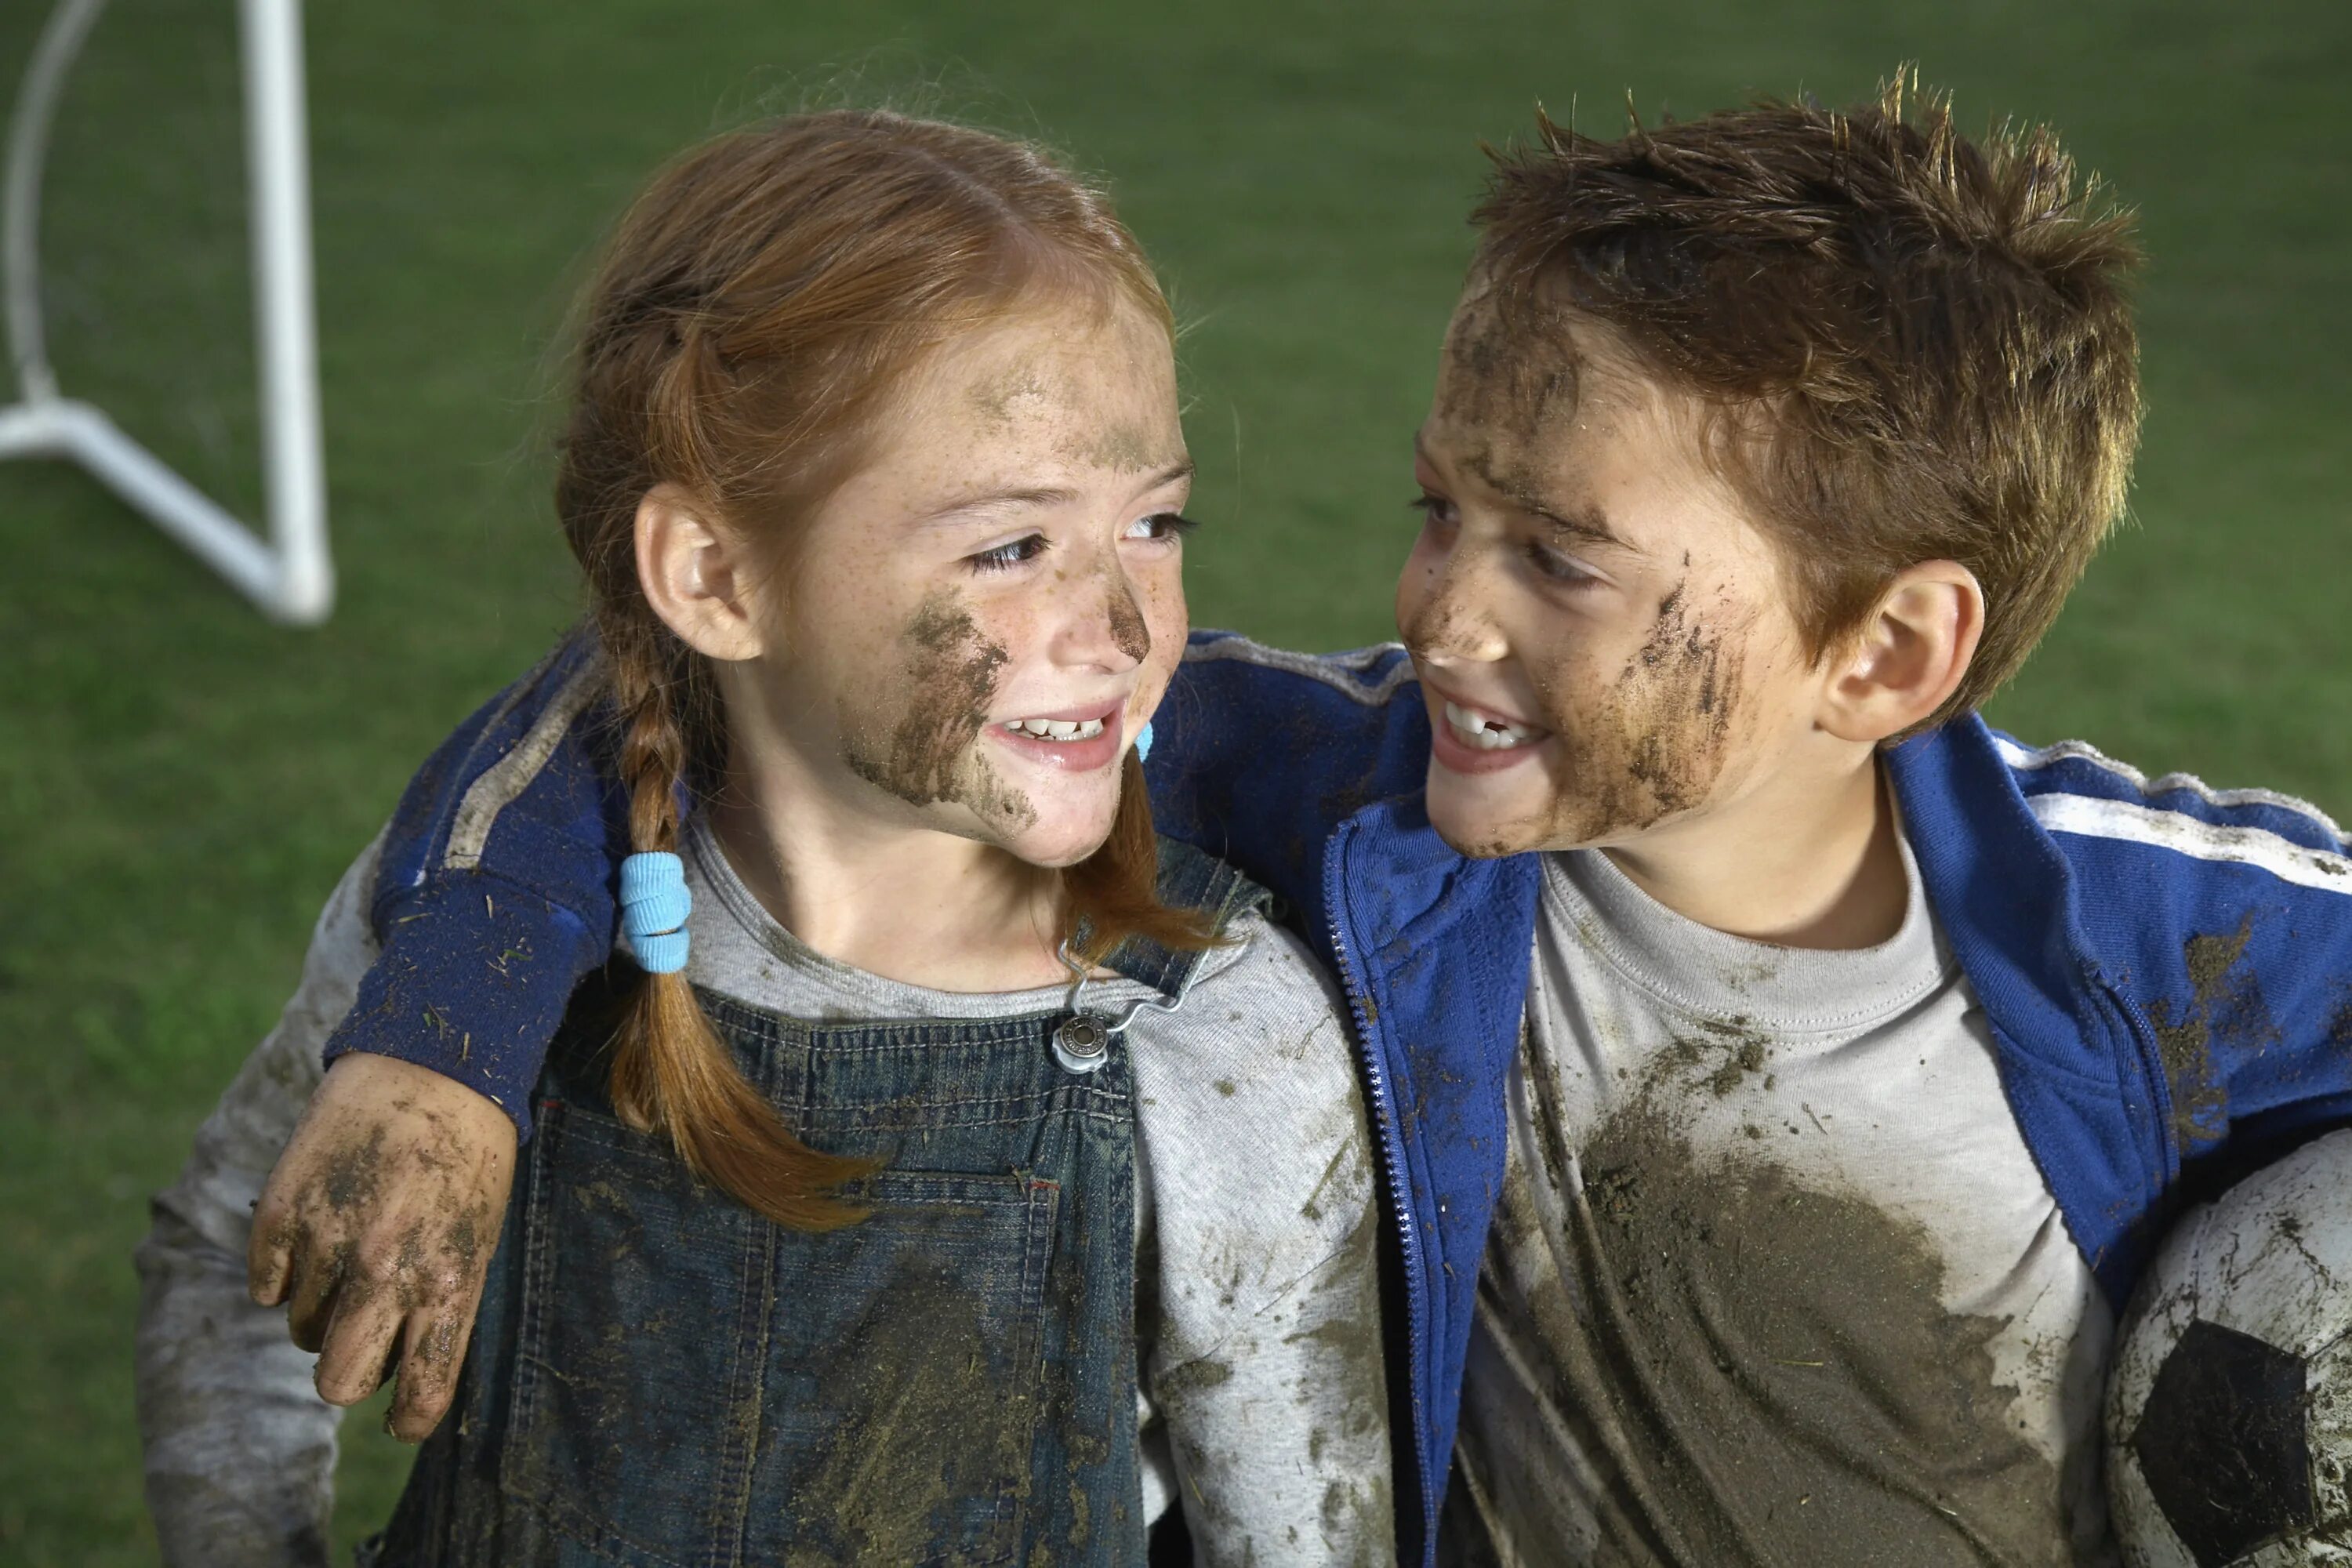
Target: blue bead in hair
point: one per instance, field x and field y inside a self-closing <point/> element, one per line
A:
<point x="655" y="905"/>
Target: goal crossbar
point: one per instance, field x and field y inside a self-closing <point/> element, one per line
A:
<point x="287" y="573"/>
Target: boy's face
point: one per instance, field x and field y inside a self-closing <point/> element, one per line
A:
<point x="1602" y="636"/>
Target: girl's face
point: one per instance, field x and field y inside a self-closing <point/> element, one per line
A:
<point x="970" y="630"/>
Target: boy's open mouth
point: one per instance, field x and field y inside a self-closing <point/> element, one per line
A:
<point x="1467" y="738"/>
<point x="1485" y="731"/>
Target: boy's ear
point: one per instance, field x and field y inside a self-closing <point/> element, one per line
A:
<point x="1909" y="654"/>
<point x="698" y="576"/>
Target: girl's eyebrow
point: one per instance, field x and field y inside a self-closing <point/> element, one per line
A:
<point x="1009" y="500"/>
<point x="1035" y="498"/>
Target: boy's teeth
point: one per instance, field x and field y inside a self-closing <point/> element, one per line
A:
<point x="1056" y="729"/>
<point x="1487" y="734"/>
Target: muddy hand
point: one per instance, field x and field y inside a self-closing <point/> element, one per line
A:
<point x="376" y="1229"/>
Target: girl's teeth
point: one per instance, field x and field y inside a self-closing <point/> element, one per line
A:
<point x="1056" y="729"/>
<point x="1485" y="734"/>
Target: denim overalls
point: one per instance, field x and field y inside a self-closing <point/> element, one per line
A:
<point x="659" y="1377"/>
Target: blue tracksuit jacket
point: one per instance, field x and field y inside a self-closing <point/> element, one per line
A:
<point x="2166" y="968"/>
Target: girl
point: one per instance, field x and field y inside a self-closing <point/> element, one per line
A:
<point x="875" y="470"/>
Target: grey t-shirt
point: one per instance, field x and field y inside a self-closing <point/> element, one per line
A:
<point x="1262" y="1388"/>
<point x="1774" y="1277"/>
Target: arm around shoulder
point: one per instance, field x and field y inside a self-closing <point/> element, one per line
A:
<point x="497" y="892"/>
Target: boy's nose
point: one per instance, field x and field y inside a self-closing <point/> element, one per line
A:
<point x="1450" y="625"/>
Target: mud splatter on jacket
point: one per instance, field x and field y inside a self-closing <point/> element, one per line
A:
<point x="2166" y="967"/>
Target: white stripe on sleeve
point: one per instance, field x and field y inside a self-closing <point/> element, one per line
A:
<point x="2092" y="817"/>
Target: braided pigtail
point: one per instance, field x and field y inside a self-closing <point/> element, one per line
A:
<point x="671" y="1073"/>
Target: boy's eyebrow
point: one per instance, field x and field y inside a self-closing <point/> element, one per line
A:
<point x="1037" y="497"/>
<point x="1588" y="524"/>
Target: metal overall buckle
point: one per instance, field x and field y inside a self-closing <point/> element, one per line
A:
<point x="1082" y="1040"/>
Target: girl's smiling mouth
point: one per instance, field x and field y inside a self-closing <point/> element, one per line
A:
<point x="1077" y="740"/>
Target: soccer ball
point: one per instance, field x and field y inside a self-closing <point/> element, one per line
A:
<point x="2229" y="1414"/>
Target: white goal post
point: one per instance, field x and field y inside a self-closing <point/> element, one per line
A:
<point x="288" y="575"/>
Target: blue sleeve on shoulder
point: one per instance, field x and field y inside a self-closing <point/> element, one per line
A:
<point x="1260" y="754"/>
<point x="496" y="892"/>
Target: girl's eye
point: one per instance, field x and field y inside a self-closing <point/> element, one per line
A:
<point x="1162" y="526"/>
<point x="1006" y="557"/>
<point x="1436" y="511"/>
<point x="1558" y="568"/>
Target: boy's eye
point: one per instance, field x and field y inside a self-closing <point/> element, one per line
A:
<point x="1006" y="557"/>
<point x="1558" y="568"/>
<point x="1436" y="511"/>
<point x="1162" y="525"/>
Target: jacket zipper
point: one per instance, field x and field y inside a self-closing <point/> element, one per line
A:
<point x="1376" y="1084"/>
<point x="2168" y="1152"/>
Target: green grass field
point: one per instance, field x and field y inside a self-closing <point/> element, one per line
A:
<point x="181" y="784"/>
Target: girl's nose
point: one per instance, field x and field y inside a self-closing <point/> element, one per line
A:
<point x="1105" y="625"/>
<point x="1130" y="633"/>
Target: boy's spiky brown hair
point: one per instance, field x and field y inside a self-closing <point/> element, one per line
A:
<point x="1922" y="345"/>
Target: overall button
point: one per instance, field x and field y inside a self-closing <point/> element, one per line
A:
<point x="1082" y="1043"/>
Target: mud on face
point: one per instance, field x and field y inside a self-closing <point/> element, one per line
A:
<point x="948" y="683"/>
<point x="1659" y="739"/>
<point x="1128" y="632"/>
<point x="1514" y="380"/>
<point x="1653" y="685"/>
<point x="1652" y="743"/>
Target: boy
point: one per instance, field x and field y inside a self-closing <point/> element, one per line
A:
<point x="1780" y="1077"/>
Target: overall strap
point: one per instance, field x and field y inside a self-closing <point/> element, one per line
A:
<point x="1190" y="879"/>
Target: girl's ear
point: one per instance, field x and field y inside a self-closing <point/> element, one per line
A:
<point x="699" y="578"/>
<point x="1909" y="655"/>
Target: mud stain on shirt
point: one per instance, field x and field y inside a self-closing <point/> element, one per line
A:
<point x="1720" y="1054"/>
<point x="1771" y="1371"/>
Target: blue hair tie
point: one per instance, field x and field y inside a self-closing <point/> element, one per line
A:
<point x="654" y="907"/>
<point x="1143" y="742"/>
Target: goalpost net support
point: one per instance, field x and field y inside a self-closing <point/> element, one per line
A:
<point x="288" y="574"/>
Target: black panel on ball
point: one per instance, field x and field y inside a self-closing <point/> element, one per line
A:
<point x="2222" y="1445"/>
